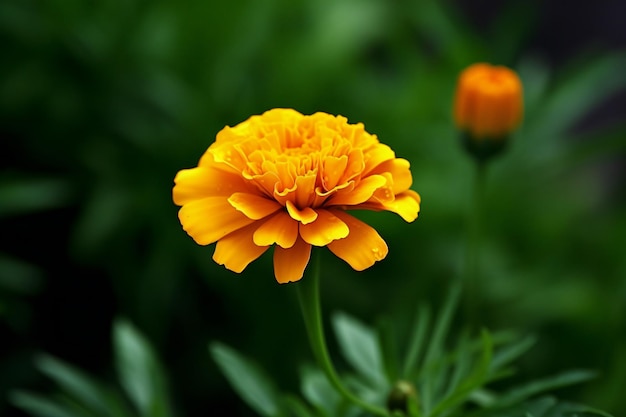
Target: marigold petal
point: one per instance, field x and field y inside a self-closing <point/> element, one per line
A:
<point x="210" y="219"/>
<point x="376" y="156"/>
<point x="305" y="187"/>
<point x="193" y="184"/>
<point x="325" y="229"/>
<point x="362" y="247"/>
<point x="333" y="169"/>
<point x="236" y="250"/>
<point x="400" y="173"/>
<point x="304" y="216"/>
<point x="289" y="264"/>
<point x="406" y="205"/>
<point x="361" y="193"/>
<point x="253" y="206"/>
<point x="280" y="229"/>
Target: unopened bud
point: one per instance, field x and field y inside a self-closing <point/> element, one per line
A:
<point x="488" y="107"/>
<point x="400" y="395"/>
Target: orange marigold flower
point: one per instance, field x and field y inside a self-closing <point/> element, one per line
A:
<point x="488" y="103"/>
<point x="284" y="179"/>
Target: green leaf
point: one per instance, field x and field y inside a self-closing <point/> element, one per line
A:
<point x="462" y="363"/>
<point x="417" y="345"/>
<point x="435" y="350"/>
<point x="103" y="214"/>
<point x="30" y="195"/>
<point x="542" y="407"/>
<point x="40" y="406"/>
<point x="247" y="379"/>
<point x="532" y="388"/>
<point x="359" y="345"/>
<point x="318" y="391"/>
<point x="139" y="371"/>
<point x="440" y="331"/>
<point x="590" y="82"/>
<point x="509" y="353"/>
<point x="83" y="388"/>
<point x="573" y="410"/>
<point x="297" y="407"/>
<point x="478" y="376"/>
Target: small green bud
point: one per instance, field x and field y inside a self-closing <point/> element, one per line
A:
<point x="401" y="393"/>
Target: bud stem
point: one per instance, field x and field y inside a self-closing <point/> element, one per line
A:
<point x="474" y="241"/>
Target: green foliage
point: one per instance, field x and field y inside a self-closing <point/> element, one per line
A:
<point x="360" y="346"/>
<point x="102" y="102"/>
<point x="448" y="380"/>
<point x="140" y="372"/>
<point x="246" y="378"/>
<point x="80" y="395"/>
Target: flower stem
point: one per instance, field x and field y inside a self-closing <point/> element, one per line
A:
<point x="474" y="241"/>
<point x="309" y="297"/>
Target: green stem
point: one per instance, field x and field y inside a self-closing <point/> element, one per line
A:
<point x="309" y="296"/>
<point x="474" y="241"/>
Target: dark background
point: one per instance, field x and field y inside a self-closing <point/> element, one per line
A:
<point x="102" y="103"/>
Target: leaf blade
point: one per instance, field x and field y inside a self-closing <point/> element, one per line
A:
<point x="247" y="379"/>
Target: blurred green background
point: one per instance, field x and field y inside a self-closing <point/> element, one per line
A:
<point x="101" y="103"/>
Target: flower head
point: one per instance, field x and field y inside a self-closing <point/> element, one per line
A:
<point x="488" y="105"/>
<point x="284" y="179"/>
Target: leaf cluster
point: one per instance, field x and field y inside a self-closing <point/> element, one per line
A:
<point x="443" y="381"/>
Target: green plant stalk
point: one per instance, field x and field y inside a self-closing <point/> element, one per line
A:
<point x="309" y="297"/>
<point x="474" y="241"/>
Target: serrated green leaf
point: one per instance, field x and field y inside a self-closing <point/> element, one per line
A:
<point x="40" y="406"/>
<point x="139" y="371"/>
<point x="435" y="351"/>
<point x="565" y="409"/>
<point x="247" y="379"/>
<point x="462" y="364"/>
<point x="477" y="378"/>
<point x="359" y="345"/>
<point x="483" y="397"/>
<point x="318" y="391"/>
<point x="542" y="407"/>
<point x="532" y="388"/>
<point x="511" y="352"/>
<point x="442" y="325"/>
<point x="87" y="391"/>
<point x="416" y="344"/>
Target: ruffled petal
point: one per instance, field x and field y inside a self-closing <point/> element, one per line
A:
<point x="361" y="193"/>
<point x="201" y="182"/>
<point x="253" y="206"/>
<point x="399" y="170"/>
<point x="333" y="170"/>
<point x="237" y="249"/>
<point x="407" y="205"/>
<point x="305" y="186"/>
<point x="376" y="156"/>
<point x="280" y="229"/>
<point x="325" y="229"/>
<point x="289" y="264"/>
<point x="304" y="216"/>
<point x="210" y="219"/>
<point x="363" y="246"/>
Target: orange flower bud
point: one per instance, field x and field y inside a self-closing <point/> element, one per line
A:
<point x="488" y="106"/>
